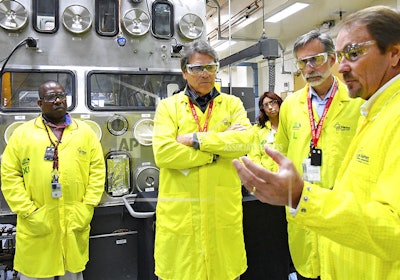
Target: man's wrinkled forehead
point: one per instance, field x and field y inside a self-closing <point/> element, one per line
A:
<point x="350" y="34"/>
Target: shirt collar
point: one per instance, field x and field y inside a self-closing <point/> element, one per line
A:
<point x="194" y="96"/>
<point x="364" y="109"/>
<point x="315" y="96"/>
<point x="66" y="123"/>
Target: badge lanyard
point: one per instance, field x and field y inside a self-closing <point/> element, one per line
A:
<point x="196" y="118"/>
<point x="52" y="154"/>
<point x="316" y="131"/>
<point x="55" y="154"/>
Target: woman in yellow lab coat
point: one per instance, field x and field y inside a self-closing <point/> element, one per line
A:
<point x="264" y="131"/>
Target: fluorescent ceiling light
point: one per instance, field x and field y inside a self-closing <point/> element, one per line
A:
<point x="294" y="8"/>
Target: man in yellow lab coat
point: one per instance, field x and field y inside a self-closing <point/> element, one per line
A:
<point x="52" y="177"/>
<point x="359" y="217"/>
<point x="197" y="133"/>
<point x="319" y="117"/>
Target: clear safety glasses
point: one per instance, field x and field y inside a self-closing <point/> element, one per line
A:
<point x="313" y="60"/>
<point x="52" y="97"/>
<point x="270" y="104"/>
<point x="353" y="51"/>
<point x="199" y="69"/>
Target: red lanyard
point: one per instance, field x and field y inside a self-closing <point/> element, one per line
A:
<point x="316" y="131"/>
<point x="55" y="156"/>
<point x="196" y="118"/>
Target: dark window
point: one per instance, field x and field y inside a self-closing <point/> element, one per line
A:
<point x="19" y="89"/>
<point x="130" y="91"/>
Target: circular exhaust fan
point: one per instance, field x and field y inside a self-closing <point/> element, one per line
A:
<point x="136" y="22"/>
<point x="13" y="15"/>
<point x="191" y="26"/>
<point x="77" y="19"/>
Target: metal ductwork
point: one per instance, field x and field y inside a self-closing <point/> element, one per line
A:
<point x="268" y="48"/>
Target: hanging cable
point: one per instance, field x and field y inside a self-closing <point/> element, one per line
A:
<point x="30" y="42"/>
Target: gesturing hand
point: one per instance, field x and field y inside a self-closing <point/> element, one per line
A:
<point x="281" y="188"/>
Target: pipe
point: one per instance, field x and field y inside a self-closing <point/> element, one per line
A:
<point x="235" y="19"/>
<point x="219" y="35"/>
<point x="283" y="61"/>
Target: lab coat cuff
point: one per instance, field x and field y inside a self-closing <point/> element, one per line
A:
<point x="302" y="205"/>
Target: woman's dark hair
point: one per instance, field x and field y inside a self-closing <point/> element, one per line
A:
<point x="262" y="117"/>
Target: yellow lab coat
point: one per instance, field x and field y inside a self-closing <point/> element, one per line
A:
<point x="199" y="233"/>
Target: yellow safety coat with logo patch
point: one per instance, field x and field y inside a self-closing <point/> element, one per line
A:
<point x="360" y="218"/>
<point x="199" y="233"/>
<point x="261" y="136"/>
<point x="52" y="233"/>
<point x="294" y="138"/>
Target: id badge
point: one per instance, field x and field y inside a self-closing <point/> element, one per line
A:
<point x="49" y="154"/>
<point x="311" y="173"/>
<point x="56" y="190"/>
<point x="316" y="157"/>
<point x="271" y="137"/>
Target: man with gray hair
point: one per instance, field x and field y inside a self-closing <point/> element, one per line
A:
<point x="197" y="134"/>
<point x="316" y="125"/>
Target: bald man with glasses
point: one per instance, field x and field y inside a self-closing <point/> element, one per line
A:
<point x="52" y="177"/>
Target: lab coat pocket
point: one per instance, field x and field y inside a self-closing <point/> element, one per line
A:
<point x="80" y="216"/>
<point x="36" y="224"/>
